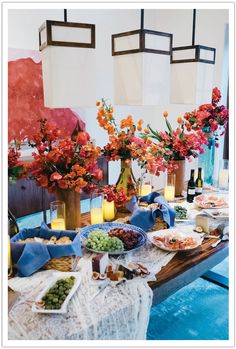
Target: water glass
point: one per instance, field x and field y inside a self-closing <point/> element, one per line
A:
<point x="58" y="215"/>
<point x="96" y="208"/>
<point x="169" y="190"/>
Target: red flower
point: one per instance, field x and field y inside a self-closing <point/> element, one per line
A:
<point x="98" y="175"/>
<point x="216" y="96"/>
<point x="42" y="181"/>
<point x="82" y="138"/>
<point x="63" y="184"/>
<point x="55" y="176"/>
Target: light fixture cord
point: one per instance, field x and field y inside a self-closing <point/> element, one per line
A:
<point x="65" y="15"/>
<point x="194" y="27"/>
<point x="142" y="19"/>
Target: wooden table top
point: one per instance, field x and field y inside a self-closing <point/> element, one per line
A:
<point x="191" y="263"/>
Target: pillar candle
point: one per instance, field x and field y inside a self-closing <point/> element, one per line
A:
<point x="96" y="215"/>
<point x="145" y="189"/>
<point x="169" y="193"/>
<point x="223" y="179"/>
<point x="108" y="210"/>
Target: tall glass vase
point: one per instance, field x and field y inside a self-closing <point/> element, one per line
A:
<point x="206" y="160"/>
<point x="127" y="182"/>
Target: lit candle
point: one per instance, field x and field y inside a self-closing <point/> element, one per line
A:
<point x="96" y="215"/>
<point x="223" y="179"/>
<point x="108" y="210"/>
<point x="145" y="189"/>
<point x="58" y="224"/>
<point x="169" y="193"/>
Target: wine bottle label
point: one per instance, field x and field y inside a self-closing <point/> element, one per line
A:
<point x="198" y="189"/>
<point x="191" y="191"/>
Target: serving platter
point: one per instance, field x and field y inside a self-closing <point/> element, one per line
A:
<point x="106" y="227"/>
<point x="211" y="201"/>
<point x="180" y="233"/>
<point x="51" y="282"/>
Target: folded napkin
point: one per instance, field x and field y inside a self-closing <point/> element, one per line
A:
<point x="145" y="219"/>
<point x="31" y="256"/>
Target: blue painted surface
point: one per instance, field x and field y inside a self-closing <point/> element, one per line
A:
<point x="198" y="311"/>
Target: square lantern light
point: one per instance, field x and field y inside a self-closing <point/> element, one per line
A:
<point x="192" y="72"/>
<point x="68" y="63"/>
<point x="141" y="63"/>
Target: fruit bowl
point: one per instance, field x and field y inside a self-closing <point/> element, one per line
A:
<point x="106" y="228"/>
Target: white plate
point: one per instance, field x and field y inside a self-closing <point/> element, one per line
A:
<point x="190" y="211"/>
<point x="183" y="230"/>
<point x="223" y="212"/>
<point x="57" y="276"/>
<point x="207" y="197"/>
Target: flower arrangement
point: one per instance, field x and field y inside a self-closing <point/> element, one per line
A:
<point x="16" y="168"/>
<point x="124" y="142"/>
<point x="111" y="193"/>
<point x="208" y="117"/>
<point x="176" y="144"/>
<point x="63" y="162"/>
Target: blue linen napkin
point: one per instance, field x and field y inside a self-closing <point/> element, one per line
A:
<point x="30" y="257"/>
<point x="145" y="219"/>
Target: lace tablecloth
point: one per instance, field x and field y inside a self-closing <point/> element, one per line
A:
<point x="119" y="312"/>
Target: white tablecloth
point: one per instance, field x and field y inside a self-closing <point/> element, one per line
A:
<point x="118" y="312"/>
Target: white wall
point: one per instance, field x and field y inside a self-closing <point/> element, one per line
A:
<point x="210" y="28"/>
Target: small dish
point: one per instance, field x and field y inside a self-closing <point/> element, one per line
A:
<point x="57" y="276"/>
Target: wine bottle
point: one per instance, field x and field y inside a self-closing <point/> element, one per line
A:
<point x="191" y="188"/>
<point x="199" y="182"/>
<point x="13" y="228"/>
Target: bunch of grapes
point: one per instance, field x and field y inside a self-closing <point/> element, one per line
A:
<point x="98" y="240"/>
<point x="129" y="237"/>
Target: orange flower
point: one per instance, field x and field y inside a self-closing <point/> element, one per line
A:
<point x="110" y="130"/>
<point x="180" y="120"/>
<point x="139" y="128"/>
<point x="165" y="114"/>
<point x="146" y="130"/>
<point x="97" y="103"/>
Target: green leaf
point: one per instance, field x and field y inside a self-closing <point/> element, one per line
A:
<point x="169" y="127"/>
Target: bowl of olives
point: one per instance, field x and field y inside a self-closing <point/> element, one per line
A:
<point x="55" y="297"/>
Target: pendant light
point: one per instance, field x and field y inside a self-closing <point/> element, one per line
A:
<point x="68" y="63"/>
<point x="192" y="72"/>
<point x="141" y="63"/>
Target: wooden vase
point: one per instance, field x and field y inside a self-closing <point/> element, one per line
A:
<point x="72" y="203"/>
<point x="179" y="177"/>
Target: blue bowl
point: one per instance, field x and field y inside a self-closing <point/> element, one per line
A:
<point x="106" y="227"/>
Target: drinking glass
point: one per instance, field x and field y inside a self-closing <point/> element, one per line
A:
<point x="58" y="215"/>
<point x="169" y="190"/>
<point x="224" y="175"/>
<point x="96" y="208"/>
<point x="145" y="185"/>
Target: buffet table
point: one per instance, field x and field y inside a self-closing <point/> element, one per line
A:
<point x="118" y="312"/>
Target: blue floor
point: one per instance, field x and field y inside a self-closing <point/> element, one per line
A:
<point x="198" y="311"/>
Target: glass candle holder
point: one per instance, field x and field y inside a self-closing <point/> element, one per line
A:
<point x="96" y="210"/>
<point x="145" y="185"/>
<point x="58" y="215"/>
<point x="169" y="190"/>
<point x="224" y="175"/>
<point x="108" y="210"/>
